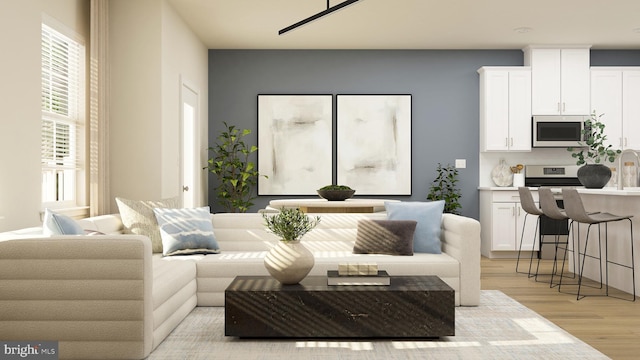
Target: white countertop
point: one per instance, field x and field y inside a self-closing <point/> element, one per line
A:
<point x="632" y="191"/>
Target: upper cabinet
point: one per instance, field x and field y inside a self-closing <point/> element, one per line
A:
<point x="559" y="80"/>
<point x="505" y="108"/>
<point x="614" y="94"/>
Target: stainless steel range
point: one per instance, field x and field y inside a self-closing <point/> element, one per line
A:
<point x="554" y="176"/>
<point x="551" y="175"/>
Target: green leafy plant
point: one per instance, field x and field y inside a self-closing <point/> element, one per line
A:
<point x="444" y="188"/>
<point x="596" y="150"/>
<point x="290" y="224"/>
<point x="236" y="175"/>
<point x="335" y="187"/>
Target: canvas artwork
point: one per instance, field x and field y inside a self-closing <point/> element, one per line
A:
<point x="374" y="143"/>
<point x="294" y="143"/>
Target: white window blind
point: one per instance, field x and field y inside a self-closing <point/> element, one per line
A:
<point x="62" y="81"/>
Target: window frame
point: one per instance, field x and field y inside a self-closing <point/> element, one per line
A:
<point x="63" y="170"/>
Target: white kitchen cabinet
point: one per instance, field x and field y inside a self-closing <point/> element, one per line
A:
<point x="502" y="220"/>
<point x="505" y="108"/>
<point x="559" y="80"/>
<point x="614" y="93"/>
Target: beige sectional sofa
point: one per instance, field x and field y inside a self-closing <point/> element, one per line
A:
<point x="108" y="296"/>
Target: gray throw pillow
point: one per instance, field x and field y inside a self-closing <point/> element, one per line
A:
<point x="391" y="237"/>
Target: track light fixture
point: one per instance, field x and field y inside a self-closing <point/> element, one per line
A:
<point x="318" y="15"/>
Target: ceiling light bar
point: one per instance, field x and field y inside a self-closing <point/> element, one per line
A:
<point x="318" y="15"/>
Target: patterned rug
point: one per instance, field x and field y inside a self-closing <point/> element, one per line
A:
<point x="500" y="328"/>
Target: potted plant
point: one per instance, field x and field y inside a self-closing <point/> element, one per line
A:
<point x="289" y="261"/>
<point x="236" y="175"/>
<point x="595" y="151"/>
<point x="444" y="188"/>
<point x="336" y="192"/>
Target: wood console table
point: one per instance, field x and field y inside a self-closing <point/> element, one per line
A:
<point x="325" y="206"/>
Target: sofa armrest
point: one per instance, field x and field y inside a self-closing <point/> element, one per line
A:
<point x="92" y="294"/>
<point x="461" y="239"/>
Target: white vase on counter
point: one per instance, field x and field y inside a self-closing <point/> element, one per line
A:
<point x="518" y="180"/>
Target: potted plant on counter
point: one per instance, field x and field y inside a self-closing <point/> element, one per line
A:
<point x="336" y="192"/>
<point x="594" y="151"/>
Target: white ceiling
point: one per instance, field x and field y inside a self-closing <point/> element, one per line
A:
<point x="414" y="24"/>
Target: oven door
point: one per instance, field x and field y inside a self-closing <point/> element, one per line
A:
<point x="557" y="131"/>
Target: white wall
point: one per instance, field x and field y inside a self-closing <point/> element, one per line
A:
<point x="20" y="39"/>
<point x="150" y="48"/>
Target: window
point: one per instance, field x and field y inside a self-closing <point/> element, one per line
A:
<point x="62" y="118"/>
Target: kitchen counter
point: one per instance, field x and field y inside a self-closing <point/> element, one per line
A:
<point x="619" y="202"/>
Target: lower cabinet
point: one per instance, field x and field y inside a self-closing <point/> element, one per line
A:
<point x="502" y="220"/>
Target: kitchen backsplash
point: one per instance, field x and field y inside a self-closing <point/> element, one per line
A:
<point x="538" y="156"/>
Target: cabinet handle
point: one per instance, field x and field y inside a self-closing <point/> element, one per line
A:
<point x="625" y="142"/>
<point x="559" y="107"/>
<point x="511" y="142"/>
<point x="563" y="107"/>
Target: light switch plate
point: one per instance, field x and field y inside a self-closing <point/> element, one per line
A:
<point x="461" y="163"/>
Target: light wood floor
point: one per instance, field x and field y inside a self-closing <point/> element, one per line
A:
<point x="610" y="325"/>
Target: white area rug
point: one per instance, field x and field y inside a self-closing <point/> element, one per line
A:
<point x="500" y="328"/>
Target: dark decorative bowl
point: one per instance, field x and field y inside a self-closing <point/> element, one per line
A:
<point x="336" y="195"/>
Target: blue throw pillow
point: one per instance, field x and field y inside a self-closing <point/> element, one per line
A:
<point x="426" y="238"/>
<point x="58" y="224"/>
<point x="186" y="231"/>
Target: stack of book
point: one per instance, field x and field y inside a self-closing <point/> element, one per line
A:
<point x="335" y="278"/>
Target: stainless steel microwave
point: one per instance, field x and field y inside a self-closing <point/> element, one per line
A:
<point x="558" y="130"/>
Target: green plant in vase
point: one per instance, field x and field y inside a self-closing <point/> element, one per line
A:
<point x="593" y="173"/>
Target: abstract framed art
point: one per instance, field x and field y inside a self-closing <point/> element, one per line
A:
<point x="374" y="143"/>
<point x="295" y="142"/>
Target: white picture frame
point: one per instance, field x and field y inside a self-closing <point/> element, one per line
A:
<point x="374" y="143"/>
<point x="295" y="143"/>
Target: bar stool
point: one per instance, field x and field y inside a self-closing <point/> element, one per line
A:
<point x="529" y="206"/>
<point x="576" y="211"/>
<point x="551" y="210"/>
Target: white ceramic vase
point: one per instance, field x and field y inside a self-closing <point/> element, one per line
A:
<point x="289" y="262"/>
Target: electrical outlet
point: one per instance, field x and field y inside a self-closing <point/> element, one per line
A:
<point x="461" y="163"/>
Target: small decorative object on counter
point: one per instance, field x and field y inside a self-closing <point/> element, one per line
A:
<point x="502" y="174"/>
<point x="613" y="182"/>
<point x="629" y="174"/>
<point x="518" y="176"/>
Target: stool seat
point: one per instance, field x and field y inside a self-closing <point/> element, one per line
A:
<point x="577" y="212"/>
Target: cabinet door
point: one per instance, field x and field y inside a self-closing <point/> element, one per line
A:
<point x="545" y="81"/>
<point x="574" y="82"/>
<point x="606" y="99"/>
<point x="503" y="227"/>
<point x="631" y="109"/>
<point x="529" y="226"/>
<point x="520" y="110"/>
<point x="495" y="113"/>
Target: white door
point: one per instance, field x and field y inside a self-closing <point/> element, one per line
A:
<point x="189" y="148"/>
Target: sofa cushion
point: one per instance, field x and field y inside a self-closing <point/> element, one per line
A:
<point x="186" y="231"/>
<point x="392" y="237"/>
<point x="138" y="218"/>
<point x="59" y="224"/>
<point x="429" y="217"/>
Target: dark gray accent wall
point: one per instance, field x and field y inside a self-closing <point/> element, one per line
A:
<point x="443" y="85"/>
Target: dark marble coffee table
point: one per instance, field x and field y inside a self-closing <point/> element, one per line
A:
<point x="411" y="307"/>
